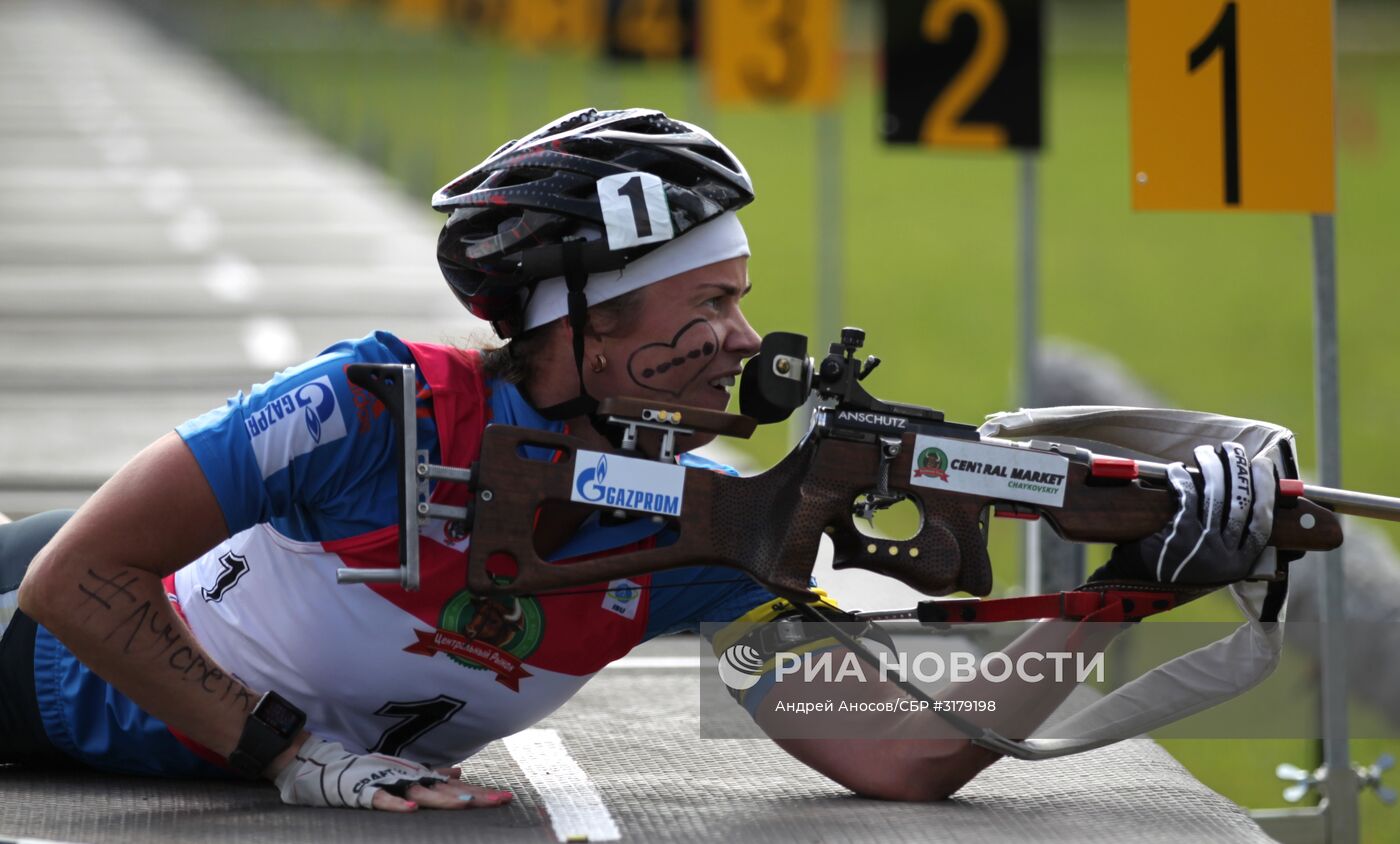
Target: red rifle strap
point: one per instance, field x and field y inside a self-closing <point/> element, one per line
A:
<point x="1080" y="605"/>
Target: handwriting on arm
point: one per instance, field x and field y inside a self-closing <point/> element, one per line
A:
<point x="153" y="631"/>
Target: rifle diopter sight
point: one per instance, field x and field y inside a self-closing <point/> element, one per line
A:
<point x="781" y="378"/>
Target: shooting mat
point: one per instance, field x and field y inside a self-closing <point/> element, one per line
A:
<point x="634" y="734"/>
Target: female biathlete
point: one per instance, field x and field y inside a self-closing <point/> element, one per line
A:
<point x="186" y="621"/>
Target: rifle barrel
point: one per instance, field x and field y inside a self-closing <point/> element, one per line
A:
<point x="1355" y="503"/>
<point x="1344" y="501"/>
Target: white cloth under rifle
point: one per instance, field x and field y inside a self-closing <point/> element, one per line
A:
<point x="1207" y="676"/>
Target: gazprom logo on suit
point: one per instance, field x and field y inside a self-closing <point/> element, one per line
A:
<point x="628" y="483"/>
<point x="294" y="423"/>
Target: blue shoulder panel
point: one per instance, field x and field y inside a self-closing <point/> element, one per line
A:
<point x="305" y="451"/>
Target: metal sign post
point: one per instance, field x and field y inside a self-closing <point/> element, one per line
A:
<point x="1342" y="817"/>
<point x="946" y="61"/>
<point x="1028" y="325"/>
<point x="1195" y="147"/>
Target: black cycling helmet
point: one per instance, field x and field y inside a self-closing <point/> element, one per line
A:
<point x="511" y="216"/>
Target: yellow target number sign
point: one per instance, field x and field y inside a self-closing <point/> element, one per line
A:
<point x="963" y="73"/>
<point x="648" y="30"/>
<point x="421" y="13"/>
<point x="1232" y="105"/>
<point x="764" y="51"/>
<point x="538" y="24"/>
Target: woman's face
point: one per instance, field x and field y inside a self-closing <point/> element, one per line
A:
<point x="685" y="342"/>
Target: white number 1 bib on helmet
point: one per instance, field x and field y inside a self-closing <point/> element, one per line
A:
<point x="634" y="209"/>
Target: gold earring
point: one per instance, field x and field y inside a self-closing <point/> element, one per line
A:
<point x="599" y="363"/>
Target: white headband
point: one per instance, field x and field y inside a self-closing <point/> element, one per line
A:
<point x="709" y="243"/>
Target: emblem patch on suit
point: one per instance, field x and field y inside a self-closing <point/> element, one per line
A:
<point x="491" y="634"/>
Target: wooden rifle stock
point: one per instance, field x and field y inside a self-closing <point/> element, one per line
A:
<point x="769" y="525"/>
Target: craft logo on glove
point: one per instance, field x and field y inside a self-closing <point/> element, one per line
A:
<point x="1243" y="484"/>
<point x="628" y="483"/>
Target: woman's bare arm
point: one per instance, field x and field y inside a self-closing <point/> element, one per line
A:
<point x="915" y="755"/>
<point x="97" y="587"/>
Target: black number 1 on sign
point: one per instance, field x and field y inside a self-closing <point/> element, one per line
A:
<point x="1224" y="39"/>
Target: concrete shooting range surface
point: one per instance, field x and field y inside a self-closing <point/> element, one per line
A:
<point x="167" y="239"/>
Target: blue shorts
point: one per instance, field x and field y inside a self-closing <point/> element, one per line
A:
<point x="54" y="711"/>
<point x="22" y="735"/>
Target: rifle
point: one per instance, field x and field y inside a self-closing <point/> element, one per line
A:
<point x="860" y="455"/>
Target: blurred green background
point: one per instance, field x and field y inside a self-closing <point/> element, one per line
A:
<point x="1211" y="311"/>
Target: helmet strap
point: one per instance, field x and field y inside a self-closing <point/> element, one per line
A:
<point x="575" y="279"/>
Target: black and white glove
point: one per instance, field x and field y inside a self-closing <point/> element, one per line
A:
<point x="325" y="774"/>
<point x="1223" y="520"/>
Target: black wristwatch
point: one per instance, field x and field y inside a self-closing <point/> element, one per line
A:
<point x="270" y="729"/>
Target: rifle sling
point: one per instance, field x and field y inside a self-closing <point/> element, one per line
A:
<point x="1112" y="605"/>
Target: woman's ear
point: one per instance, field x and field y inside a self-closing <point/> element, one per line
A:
<point x="606" y="320"/>
<point x="590" y="332"/>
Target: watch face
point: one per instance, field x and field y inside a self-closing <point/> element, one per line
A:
<point x="280" y="716"/>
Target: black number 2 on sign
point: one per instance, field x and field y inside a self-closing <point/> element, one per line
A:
<point x="1224" y="39"/>
<point x="963" y="73"/>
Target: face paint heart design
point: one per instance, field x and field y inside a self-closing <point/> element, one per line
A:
<point x="671" y="367"/>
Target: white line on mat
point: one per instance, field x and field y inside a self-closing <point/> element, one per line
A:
<point x="575" y="807"/>
<point x="653" y="662"/>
